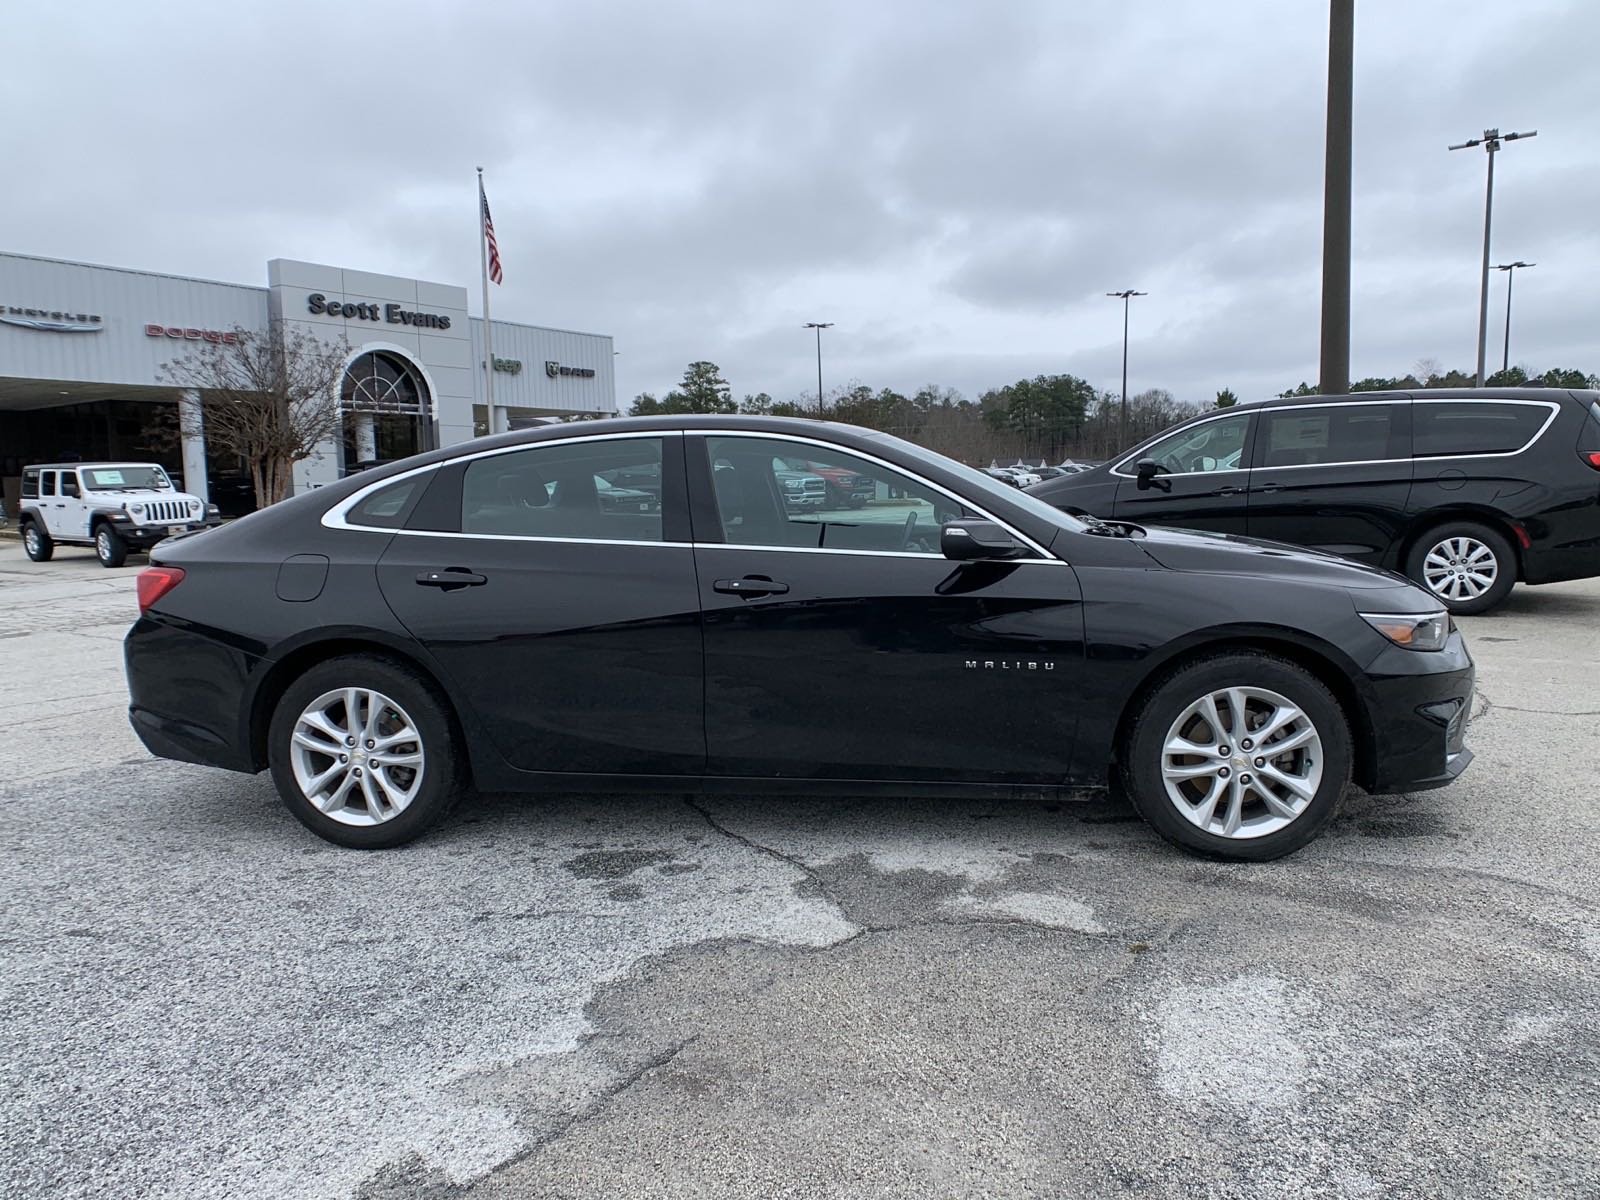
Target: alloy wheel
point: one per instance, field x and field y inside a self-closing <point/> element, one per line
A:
<point x="30" y="540"/>
<point x="357" y="756"/>
<point x="1242" y="762"/>
<point x="1460" y="568"/>
<point x="102" y="544"/>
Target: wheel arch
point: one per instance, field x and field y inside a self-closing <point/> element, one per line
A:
<point x="1322" y="662"/>
<point x="1477" y="514"/>
<point x="289" y="666"/>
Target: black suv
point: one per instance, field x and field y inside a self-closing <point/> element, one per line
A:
<point x="1466" y="492"/>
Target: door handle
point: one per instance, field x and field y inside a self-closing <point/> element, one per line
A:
<point x="451" y="578"/>
<point x="1231" y="490"/>
<point x="750" y="585"/>
<point x="1270" y="487"/>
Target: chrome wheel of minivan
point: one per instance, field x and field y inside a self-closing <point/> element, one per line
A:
<point x="357" y="756"/>
<point x="1242" y="762"/>
<point x="1460" y="568"/>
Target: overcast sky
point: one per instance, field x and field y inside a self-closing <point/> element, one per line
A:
<point x="954" y="185"/>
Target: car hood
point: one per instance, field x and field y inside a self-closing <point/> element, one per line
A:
<point x="1225" y="554"/>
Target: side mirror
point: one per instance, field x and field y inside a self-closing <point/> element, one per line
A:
<point x="69" y="488"/>
<point x="977" y="539"/>
<point x="1148" y="471"/>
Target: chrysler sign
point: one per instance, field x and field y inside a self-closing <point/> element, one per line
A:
<point x="51" y="320"/>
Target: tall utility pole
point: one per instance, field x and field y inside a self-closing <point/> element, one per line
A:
<point x="1334" y="379"/>
<point x="1126" y="296"/>
<point x="819" y="326"/>
<point x="1490" y="141"/>
<point x="1511" y="273"/>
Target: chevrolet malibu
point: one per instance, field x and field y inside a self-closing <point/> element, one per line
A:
<point x="480" y="617"/>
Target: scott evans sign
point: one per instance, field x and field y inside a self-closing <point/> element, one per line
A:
<point x="555" y="369"/>
<point x="49" y="319"/>
<point x="317" y="304"/>
<point x="222" y="336"/>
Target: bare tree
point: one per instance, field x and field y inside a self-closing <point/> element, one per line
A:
<point x="270" y="396"/>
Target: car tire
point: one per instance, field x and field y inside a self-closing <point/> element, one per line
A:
<point x="1455" y="558"/>
<point x="36" y="542"/>
<point x="397" y="700"/>
<point x="1272" y="812"/>
<point x="109" y="546"/>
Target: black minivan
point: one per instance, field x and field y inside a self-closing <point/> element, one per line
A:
<point x="1464" y="491"/>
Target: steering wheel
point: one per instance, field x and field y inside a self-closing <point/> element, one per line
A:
<point x="909" y="529"/>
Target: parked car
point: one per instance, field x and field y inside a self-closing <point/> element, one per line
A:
<point x="1005" y="475"/>
<point x="1025" y="476"/>
<point x="115" y="507"/>
<point x="800" y="489"/>
<point x="845" y="488"/>
<point x="1466" y="492"/>
<point x="383" y="642"/>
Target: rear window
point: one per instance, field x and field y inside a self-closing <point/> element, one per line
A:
<point x="1473" y="426"/>
<point x="387" y="507"/>
<point x="1352" y="433"/>
<point x="30" y="485"/>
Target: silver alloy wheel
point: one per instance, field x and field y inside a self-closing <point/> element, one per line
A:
<point x="1242" y="762"/>
<point x="102" y="544"/>
<point x="1460" y="568"/>
<point x="357" y="756"/>
<point x="31" y="541"/>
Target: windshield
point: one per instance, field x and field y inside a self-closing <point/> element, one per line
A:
<point x="110" y="479"/>
<point x="978" y="485"/>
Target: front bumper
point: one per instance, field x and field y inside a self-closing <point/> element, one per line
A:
<point x="1419" y="706"/>
<point x="145" y="536"/>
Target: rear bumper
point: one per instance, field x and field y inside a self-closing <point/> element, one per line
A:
<point x="1420" y="705"/>
<point x="186" y="695"/>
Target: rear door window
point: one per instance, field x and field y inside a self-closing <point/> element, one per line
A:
<point x="605" y="489"/>
<point x="1331" y="434"/>
<point x="1441" y="427"/>
<point x="48" y="487"/>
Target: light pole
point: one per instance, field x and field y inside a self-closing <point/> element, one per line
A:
<point x="1334" y="378"/>
<point x="1126" y="296"/>
<point x="819" y="326"/>
<point x="1511" y="273"/>
<point x="1490" y="141"/>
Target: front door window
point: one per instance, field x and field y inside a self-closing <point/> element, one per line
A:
<point x="1213" y="446"/>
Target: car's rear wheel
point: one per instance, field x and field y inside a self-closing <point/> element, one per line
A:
<point x="37" y="542"/>
<point x="364" y="752"/>
<point x="1469" y="567"/>
<point x="109" y="546"/>
<point x="1242" y="755"/>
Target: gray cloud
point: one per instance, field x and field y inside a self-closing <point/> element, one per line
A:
<point x="954" y="185"/>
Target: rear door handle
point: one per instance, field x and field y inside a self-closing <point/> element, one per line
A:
<point x="1270" y="487"/>
<point x="750" y="585"/>
<point x="1230" y="490"/>
<point x="451" y="577"/>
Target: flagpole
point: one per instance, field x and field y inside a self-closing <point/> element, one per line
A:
<point x="488" y="339"/>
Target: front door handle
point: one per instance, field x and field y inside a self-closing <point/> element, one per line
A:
<point x="451" y="578"/>
<point x="750" y="585"/>
<point x="1231" y="490"/>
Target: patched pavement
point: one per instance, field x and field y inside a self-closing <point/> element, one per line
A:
<point x="755" y="996"/>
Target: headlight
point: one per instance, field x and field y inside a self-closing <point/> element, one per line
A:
<point x="1414" y="631"/>
<point x="136" y="508"/>
<point x="195" y="508"/>
<point x="793" y="485"/>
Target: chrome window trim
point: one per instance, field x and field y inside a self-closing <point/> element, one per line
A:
<point x="762" y="435"/>
<point x="1553" y="405"/>
<point x="334" y="518"/>
<point x="1221" y="416"/>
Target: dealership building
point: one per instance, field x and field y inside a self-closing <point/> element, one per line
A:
<point x="84" y="352"/>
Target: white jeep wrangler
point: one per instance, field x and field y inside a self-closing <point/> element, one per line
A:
<point x="114" y="507"/>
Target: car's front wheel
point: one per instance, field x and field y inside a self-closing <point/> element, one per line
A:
<point x="1242" y="755"/>
<point x="109" y="547"/>
<point x="1468" y="566"/>
<point x="364" y="752"/>
<point x="37" y="542"/>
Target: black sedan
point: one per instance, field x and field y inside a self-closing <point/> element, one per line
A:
<point x="476" y="616"/>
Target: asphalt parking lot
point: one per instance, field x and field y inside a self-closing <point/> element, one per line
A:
<point x="661" y="996"/>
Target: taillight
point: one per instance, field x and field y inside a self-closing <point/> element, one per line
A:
<point x="1592" y="457"/>
<point x="156" y="582"/>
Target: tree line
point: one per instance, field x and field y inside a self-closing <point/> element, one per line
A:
<point x="1048" y="418"/>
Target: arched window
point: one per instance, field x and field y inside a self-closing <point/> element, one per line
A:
<point x="382" y="383"/>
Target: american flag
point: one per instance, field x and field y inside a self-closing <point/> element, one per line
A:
<point x="488" y="233"/>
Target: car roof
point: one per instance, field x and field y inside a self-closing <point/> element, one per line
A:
<point x="1485" y="393"/>
<point x="77" y="466"/>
